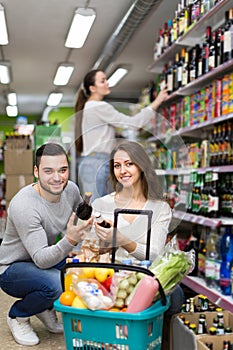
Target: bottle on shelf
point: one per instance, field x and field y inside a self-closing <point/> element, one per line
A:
<point x="227" y="36"/>
<point x="202" y="253"/>
<point x="213" y="203"/>
<point x="211" y="256"/>
<point x="185" y="69"/>
<point x="227" y="259"/>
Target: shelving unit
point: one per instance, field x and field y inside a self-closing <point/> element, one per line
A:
<point x="199" y="285"/>
<point x="214" y="18"/>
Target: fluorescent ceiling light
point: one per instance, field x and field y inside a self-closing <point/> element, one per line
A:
<point x="63" y="74"/>
<point x="3" y="29"/>
<point x="5" y="76"/>
<point x="54" y="99"/>
<point x="12" y="111"/>
<point x="12" y="98"/>
<point x="80" y="27"/>
<point x="117" y="76"/>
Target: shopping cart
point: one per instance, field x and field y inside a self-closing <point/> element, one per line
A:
<point x="107" y="330"/>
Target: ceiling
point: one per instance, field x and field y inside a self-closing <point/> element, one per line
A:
<point x="37" y="32"/>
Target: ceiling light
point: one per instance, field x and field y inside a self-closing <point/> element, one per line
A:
<point x="117" y="76"/>
<point x="63" y="74"/>
<point x="5" y="75"/>
<point x="80" y="27"/>
<point x="54" y="99"/>
<point x="12" y="111"/>
<point x="12" y="98"/>
<point x="3" y="28"/>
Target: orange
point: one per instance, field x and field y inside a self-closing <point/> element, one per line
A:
<point x="114" y="309"/>
<point x="67" y="297"/>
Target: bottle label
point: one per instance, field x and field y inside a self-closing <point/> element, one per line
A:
<point x="211" y="62"/>
<point x="210" y="268"/>
<point x="213" y="203"/>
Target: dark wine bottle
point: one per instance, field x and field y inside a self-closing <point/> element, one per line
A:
<point x="84" y="209"/>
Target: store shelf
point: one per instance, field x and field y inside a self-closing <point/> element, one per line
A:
<point x="191" y="129"/>
<point x="185" y="171"/>
<point x="199" y="285"/>
<point x="214" y="18"/>
<point x="197" y="219"/>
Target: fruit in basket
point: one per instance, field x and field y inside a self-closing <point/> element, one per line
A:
<point x="107" y="283"/>
<point x="78" y="302"/>
<point x="89" y="272"/>
<point x="67" y="297"/>
<point x="101" y="274"/>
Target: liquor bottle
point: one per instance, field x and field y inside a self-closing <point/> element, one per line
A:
<point x="169" y="78"/>
<point x="227" y="36"/>
<point x="211" y="255"/>
<point x="200" y="58"/>
<point x="175" y="70"/>
<point x="213" y="204"/>
<point x="227" y="258"/>
<point x="180" y="65"/>
<point x="165" y="37"/>
<point x="185" y="70"/>
<point x="212" y="52"/>
<point x="222" y="153"/>
<point x="222" y="45"/>
<point x="227" y="146"/>
<point x="218" y="47"/>
<point x="218" y="259"/>
<point x="100" y="221"/>
<point x="84" y="209"/>
<point x="175" y="26"/>
<point x="216" y="136"/>
<point x="193" y="65"/>
<point x="202" y="254"/>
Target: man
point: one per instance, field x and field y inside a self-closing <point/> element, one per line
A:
<point x="40" y="233"/>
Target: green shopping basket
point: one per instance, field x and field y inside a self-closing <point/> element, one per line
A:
<point x="86" y="329"/>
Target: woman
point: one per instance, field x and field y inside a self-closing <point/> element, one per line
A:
<point x="136" y="187"/>
<point x="96" y="121"/>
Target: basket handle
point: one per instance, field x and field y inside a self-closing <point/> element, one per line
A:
<point x="118" y="211"/>
<point x="114" y="266"/>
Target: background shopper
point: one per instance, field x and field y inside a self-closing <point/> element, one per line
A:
<point x="31" y="253"/>
<point x="96" y="121"/>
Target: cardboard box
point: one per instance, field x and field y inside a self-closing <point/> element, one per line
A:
<point x="18" y="162"/>
<point x="15" y="182"/>
<point x="184" y="338"/>
<point x="217" y="341"/>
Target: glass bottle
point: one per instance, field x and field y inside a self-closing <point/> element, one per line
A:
<point x="100" y="221"/>
<point x="211" y="255"/>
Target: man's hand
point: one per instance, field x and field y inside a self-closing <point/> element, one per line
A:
<point x="76" y="233"/>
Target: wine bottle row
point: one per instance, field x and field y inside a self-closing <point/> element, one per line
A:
<point x="188" y="13"/>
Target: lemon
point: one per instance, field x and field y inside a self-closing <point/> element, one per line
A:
<point x="89" y="272"/>
<point x="77" y="302"/>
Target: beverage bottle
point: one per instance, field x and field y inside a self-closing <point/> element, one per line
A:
<point x="218" y="259"/>
<point x="100" y="220"/>
<point x="84" y="209"/>
<point x="211" y="255"/>
<point x="201" y="256"/>
<point x="213" y="205"/>
<point x="226" y="264"/>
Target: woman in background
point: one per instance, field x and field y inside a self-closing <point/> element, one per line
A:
<point x="95" y="124"/>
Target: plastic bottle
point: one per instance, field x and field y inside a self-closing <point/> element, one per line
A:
<point x="227" y="258"/>
<point x="211" y="255"/>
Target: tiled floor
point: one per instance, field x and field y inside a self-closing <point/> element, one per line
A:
<point x="48" y="341"/>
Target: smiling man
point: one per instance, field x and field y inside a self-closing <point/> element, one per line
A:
<point x="31" y="254"/>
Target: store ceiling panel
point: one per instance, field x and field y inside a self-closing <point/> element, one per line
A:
<point x="37" y="33"/>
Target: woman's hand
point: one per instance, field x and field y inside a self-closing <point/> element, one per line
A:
<point x="104" y="234"/>
<point x="162" y="96"/>
<point x="76" y="233"/>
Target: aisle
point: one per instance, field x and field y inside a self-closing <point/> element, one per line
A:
<point x="48" y="341"/>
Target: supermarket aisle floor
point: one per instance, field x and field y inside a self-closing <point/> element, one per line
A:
<point x="48" y="341"/>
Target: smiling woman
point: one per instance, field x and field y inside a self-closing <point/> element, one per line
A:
<point x="136" y="186"/>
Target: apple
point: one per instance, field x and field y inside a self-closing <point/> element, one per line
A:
<point x="101" y="274"/>
<point x="107" y="283"/>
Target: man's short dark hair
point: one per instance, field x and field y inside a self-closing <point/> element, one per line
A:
<point x="49" y="149"/>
